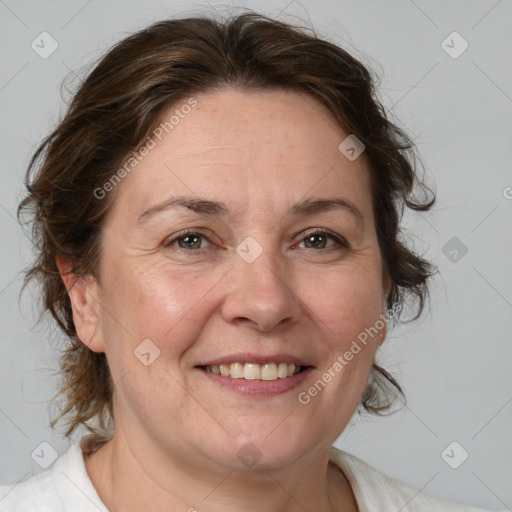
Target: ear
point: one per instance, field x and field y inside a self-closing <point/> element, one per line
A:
<point x="386" y="283"/>
<point x="83" y="294"/>
<point x="383" y="331"/>
<point x="386" y="280"/>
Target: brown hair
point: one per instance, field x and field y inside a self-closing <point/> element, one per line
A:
<point x="117" y="106"/>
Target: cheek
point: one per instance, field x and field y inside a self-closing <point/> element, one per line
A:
<point x="155" y="302"/>
<point x="347" y="304"/>
<point x="147" y="325"/>
<point x="172" y="306"/>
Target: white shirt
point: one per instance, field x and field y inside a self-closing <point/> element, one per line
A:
<point x="66" y="487"/>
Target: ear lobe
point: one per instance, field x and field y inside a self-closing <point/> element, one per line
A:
<point x="383" y="318"/>
<point x="386" y="282"/>
<point x="83" y="294"/>
<point x="383" y="332"/>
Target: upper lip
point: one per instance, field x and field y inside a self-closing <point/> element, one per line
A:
<point x="256" y="358"/>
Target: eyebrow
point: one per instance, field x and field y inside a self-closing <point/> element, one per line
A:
<point x="206" y="208"/>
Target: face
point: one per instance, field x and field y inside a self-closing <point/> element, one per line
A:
<point x="248" y="268"/>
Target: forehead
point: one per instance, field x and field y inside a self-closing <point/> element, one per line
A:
<point x="247" y="149"/>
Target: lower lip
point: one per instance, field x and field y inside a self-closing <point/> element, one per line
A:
<point x="263" y="388"/>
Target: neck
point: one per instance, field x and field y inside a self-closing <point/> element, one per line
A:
<point x="132" y="476"/>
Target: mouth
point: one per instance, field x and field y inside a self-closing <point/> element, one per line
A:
<point x="255" y="375"/>
<point x="254" y="371"/>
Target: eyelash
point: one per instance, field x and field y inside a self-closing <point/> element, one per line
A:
<point x="339" y="240"/>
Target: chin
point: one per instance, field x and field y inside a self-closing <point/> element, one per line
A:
<point x="265" y="449"/>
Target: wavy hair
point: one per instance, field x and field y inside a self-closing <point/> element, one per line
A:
<point x="115" y="109"/>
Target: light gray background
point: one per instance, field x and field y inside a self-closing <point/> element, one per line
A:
<point x="455" y="362"/>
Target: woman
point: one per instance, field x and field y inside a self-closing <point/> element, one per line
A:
<point x="217" y="219"/>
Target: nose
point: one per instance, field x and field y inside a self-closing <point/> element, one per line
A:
<point x="261" y="294"/>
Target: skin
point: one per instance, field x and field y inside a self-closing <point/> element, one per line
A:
<point x="177" y="433"/>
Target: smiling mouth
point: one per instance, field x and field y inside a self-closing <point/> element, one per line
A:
<point x="254" y="371"/>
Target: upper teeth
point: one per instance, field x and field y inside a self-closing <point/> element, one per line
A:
<point x="254" y="371"/>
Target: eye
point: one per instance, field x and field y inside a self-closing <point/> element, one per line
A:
<point x="318" y="238"/>
<point x="187" y="240"/>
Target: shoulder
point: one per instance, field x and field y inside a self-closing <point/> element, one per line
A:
<point x="64" y="487"/>
<point x="35" y="494"/>
<point x="375" y="491"/>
